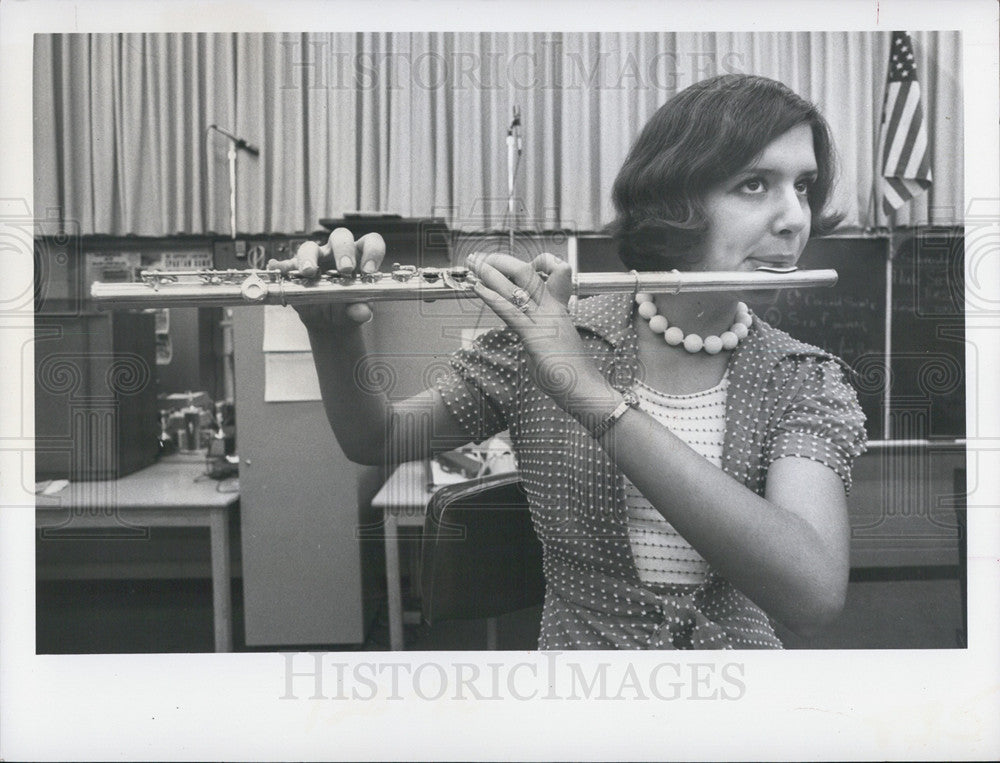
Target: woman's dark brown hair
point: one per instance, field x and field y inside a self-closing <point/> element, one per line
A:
<point x="703" y="135"/>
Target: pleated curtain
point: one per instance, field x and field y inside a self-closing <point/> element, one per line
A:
<point x="416" y="123"/>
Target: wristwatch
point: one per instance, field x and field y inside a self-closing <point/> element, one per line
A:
<point x="629" y="400"/>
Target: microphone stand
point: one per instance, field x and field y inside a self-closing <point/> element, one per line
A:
<point x="226" y="324"/>
<point x="231" y="155"/>
<point x="235" y="144"/>
<point x="513" y="162"/>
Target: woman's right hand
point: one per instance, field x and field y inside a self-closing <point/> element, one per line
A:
<point x="344" y="255"/>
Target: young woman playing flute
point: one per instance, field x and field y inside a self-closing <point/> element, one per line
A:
<point x="686" y="463"/>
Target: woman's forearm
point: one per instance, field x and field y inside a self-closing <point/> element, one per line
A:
<point x="359" y="418"/>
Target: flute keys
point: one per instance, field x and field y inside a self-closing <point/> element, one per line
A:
<point x="403" y="272"/>
<point x="253" y="288"/>
<point x="458" y="279"/>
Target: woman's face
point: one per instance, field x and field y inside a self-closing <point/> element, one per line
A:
<point x="761" y="216"/>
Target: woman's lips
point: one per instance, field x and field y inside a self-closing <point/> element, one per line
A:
<point x="780" y="263"/>
<point x="777" y="268"/>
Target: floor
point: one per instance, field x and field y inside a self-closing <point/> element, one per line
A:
<point x="163" y="616"/>
<point x="888" y="607"/>
<point x="883" y="611"/>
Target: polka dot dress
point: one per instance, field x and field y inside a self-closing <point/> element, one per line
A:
<point x="784" y="398"/>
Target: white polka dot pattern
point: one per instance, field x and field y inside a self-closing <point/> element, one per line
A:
<point x="785" y="399"/>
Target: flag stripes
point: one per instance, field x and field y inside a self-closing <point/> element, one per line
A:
<point x="906" y="165"/>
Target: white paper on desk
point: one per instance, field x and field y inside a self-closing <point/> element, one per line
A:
<point x="283" y="331"/>
<point x="440" y="477"/>
<point x="290" y="377"/>
<point x="50" y="487"/>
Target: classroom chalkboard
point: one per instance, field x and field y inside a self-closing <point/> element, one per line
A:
<point x="847" y="320"/>
<point x="927" y="378"/>
<point x="926" y="368"/>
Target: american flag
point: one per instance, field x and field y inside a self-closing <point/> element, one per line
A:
<point x="906" y="161"/>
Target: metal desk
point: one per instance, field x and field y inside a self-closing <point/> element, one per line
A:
<point x="403" y="500"/>
<point x="167" y="494"/>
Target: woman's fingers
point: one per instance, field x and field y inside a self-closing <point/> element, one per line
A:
<point x="559" y="276"/>
<point x="348" y="255"/>
<point x="547" y="280"/>
<point x="370" y="249"/>
<point x="502" y="306"/>
<point x="506" y="275"/>
<point x="343" y="250"/>
<point x="359" y="312"/>
<point x="307" y="261"/>
<point x="335" y="314"/>
<point x="341" y="253"/>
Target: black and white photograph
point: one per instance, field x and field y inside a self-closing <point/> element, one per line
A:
<point x="476" y="381"/>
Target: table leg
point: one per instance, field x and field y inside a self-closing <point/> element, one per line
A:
<point x="222" y="604"/>
<point x="392" y="581"/>
<point x="492" y="634"/>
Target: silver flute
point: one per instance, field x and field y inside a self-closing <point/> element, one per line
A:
<point x="221" y="288"/>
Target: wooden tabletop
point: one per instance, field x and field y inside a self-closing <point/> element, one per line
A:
<point x="177" y="481"/>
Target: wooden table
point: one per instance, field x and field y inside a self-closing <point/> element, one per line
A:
<point x="403" y="500"/>
<point x="174" y="492"/>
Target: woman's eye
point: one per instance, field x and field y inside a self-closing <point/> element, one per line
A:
<point x="803" y="186"/>
<point x="753" y="185"/>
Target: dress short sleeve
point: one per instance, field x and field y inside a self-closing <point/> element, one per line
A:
<point x="823" y="420"/>
<point x="481" y="388"/>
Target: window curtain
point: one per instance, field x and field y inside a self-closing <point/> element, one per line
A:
<point x="416" y="123"/>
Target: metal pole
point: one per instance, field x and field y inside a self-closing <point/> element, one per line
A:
<point x="887" y="392"/>
<point x="232" y="187"/>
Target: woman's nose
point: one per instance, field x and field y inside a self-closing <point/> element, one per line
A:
<point x="792" y="213"/>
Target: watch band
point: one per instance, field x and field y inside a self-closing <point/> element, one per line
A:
<point x="629" y="400"/>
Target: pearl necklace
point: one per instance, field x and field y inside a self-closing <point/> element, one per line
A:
<point x="693" y="343"/>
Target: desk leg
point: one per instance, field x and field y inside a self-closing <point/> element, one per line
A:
<point x="222" y="581"/>
<point x="392" y="581"/>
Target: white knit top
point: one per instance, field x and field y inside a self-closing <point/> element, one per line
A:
<point x="662" y="556"/>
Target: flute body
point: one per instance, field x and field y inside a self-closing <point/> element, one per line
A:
<point x="219" y="288"/>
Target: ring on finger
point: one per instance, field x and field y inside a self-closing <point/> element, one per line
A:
<point x="520" y="299"/>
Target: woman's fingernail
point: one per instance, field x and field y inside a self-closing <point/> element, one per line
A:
<point x="368" y="267"/>
<point x="346" y="263"/>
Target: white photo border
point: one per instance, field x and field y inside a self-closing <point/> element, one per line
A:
<point x="786" y="705"/>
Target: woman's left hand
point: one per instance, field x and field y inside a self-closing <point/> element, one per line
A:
<point x="531" y="298"/>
